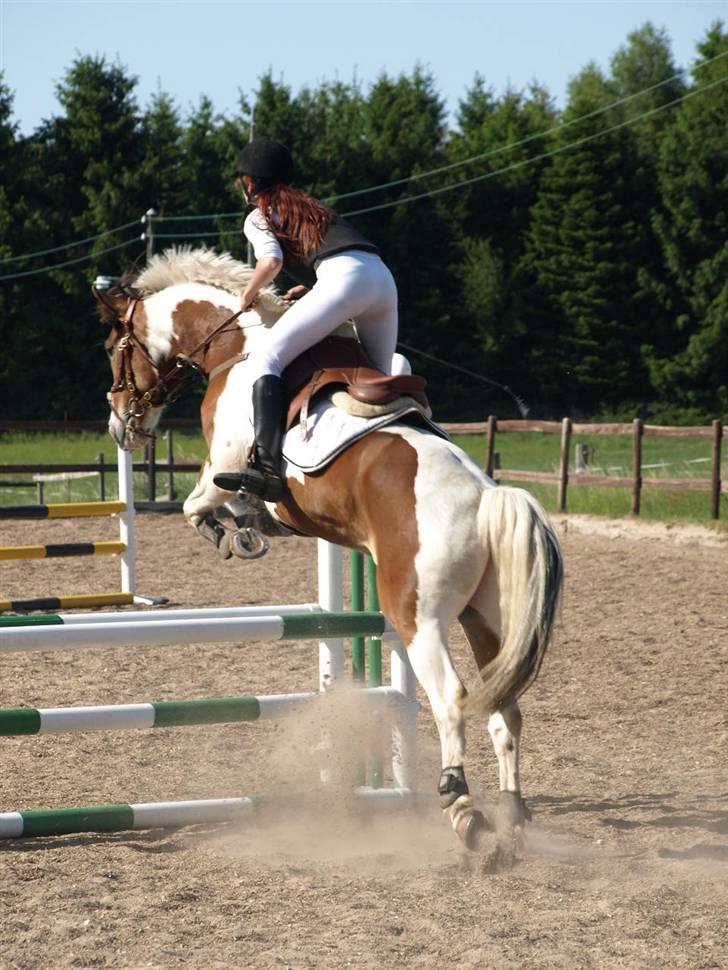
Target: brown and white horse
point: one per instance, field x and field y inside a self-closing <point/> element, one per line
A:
<point x="449" y="544"/>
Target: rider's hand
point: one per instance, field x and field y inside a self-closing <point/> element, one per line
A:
<point x="248" y="299"/>
<point x="295" y="293"/>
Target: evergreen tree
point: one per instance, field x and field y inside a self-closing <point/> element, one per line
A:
<point x="645" y="80"/>
<point x="12" y="204"/>
<point x="691" y="368"/>
<point x="406" y="131"/>
<point x="163" y="179"/>
<point x="210" y="145"/>
<point x="579" y="269"/>
<point x="84" y="170"/>
<point x="98" y="144"/>
<point x="506" y="138"/>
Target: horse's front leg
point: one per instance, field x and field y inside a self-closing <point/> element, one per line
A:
<point x="200" y="510"/>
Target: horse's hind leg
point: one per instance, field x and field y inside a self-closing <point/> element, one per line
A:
<point x="434" y="670"/>
<point x="504" y="727"/>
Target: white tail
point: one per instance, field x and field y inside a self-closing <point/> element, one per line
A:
<point x="525" y="552"/>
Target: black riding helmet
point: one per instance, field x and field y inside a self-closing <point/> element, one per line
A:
<point x="266" y="161"/>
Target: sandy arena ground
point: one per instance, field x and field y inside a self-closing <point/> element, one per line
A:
<point x="624" y="766"/>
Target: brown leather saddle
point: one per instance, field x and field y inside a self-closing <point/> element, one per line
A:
<point x="343" y="361"/>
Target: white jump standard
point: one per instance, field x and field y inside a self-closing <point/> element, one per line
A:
<point x="325" y="621"/>
<point x="125" y="547"/>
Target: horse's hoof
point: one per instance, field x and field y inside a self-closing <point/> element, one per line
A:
<point x="223" y="547"/>
<point x="248" y="544"/>
<point x="470" y="827"/>
<point x="502" y="859"/>
<point x="512" y="809"/>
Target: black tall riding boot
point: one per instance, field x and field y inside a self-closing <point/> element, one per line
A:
<point x="263" y="476"/>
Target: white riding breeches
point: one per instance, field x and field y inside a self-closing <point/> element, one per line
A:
<point x="350" y="285"/>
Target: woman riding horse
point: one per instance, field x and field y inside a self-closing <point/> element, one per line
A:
<point x="340" y="276"/>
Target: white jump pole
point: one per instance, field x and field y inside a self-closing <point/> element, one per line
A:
<point x="404" y="725"/>
<point x="331" y="598"/>
<point x="126" y="520"/>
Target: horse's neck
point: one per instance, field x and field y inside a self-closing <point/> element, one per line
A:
<point x="181" y="319"/>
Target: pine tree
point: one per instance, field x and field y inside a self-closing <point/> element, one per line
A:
<point x="164" y="184"/>
<point x="13" y="206"/>
<point x="580" y="271"/>
<point x="505" y="137"/>
<point x="646" y="81"/>
<point x="691" y="369"/>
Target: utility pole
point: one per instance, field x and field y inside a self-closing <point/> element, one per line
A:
<point x="250" y="256"/>
<point x="148" y="234"/>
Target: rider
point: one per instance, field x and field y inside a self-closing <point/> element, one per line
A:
<point x="340" y="276"/>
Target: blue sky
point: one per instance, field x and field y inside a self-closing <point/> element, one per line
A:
<point x="220" y="47"/>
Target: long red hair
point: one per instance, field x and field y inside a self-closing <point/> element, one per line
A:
<point x="300" y="220"/>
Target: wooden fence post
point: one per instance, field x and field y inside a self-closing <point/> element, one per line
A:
<point x="102" y="477"/>
<point x="170" y="462"/>
<point x="637" y="432"/>
<point x="564" y="463"/>
<point x="715" y="482"/>
<point x="490" y="444"/>
<point x="152" y="469"/>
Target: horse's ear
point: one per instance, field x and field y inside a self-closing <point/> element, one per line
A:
<point x="110" y="306"/>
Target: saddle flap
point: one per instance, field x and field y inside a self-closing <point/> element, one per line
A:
<point x="343" y="361"/>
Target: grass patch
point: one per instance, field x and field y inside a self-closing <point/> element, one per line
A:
<point x="609" y="455"/>
<point x="41" y="448"/>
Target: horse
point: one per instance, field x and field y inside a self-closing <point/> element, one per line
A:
<point x="449" y="544"/>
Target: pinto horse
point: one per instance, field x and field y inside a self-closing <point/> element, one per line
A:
<point x="448" y="543"/>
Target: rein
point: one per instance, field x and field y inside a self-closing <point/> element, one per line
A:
<point x="169" y="379"/>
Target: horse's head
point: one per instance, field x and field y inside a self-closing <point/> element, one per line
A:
<point x="182" y="311"/>
<point x="136" y="397"/>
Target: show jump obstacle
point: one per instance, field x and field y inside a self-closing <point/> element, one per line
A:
<point x="125" y="548"/>
<point x="325" y="621"/>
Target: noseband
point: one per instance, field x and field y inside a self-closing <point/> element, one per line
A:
<point x="170" y="377"/>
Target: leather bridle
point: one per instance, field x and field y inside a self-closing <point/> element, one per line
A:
<point x="169" y="378"/>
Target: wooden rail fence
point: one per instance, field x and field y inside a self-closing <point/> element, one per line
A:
<point x="168" y="467"/>
<point x="637" y="428"/>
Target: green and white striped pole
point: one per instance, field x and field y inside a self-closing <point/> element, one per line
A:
<point x="375" y="676"/>
<point x="150" y="616"/>
<point x="17" y="721"/>
<point x="26" y="637"/>
<point x="127" y="817"/>
<point x="120" y="817"/>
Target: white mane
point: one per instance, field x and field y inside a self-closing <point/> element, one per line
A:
<point x="183" y="264"/>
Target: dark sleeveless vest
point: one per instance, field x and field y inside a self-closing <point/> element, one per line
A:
<point x="340" y="237"/>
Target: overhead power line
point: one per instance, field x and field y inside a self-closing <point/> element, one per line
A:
<point x="414" y="198"/>
<point x="477" y="158"/>
<point x="71" y="245"/>
<point x="69" y="262"/>
<point x="537" y="158"/>
<point x="522" y="141"/>
<point x="520" y="403"/>
<point x="485" y="155"/>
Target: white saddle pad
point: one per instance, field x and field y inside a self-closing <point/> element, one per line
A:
<point x="329" y="430"/>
